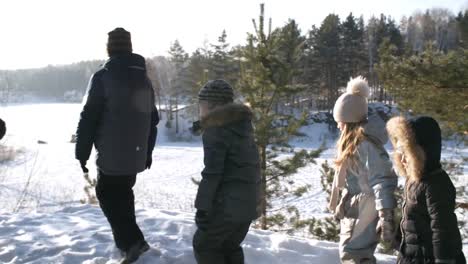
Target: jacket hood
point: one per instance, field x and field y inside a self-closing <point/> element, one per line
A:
<point x="124" y="61"/>
<point x="420" y="139"/>
<point x="428" y="136"/>
<point x="375" y="129"/>
<point x="228" y="115"/>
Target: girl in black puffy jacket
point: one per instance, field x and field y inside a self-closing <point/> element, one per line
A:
<point x="429" y="226"/>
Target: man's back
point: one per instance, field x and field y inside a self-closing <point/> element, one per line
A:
<point x="122" y="138"/>
<point x="120" y="103"/>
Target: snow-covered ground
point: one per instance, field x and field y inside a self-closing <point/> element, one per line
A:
<point x="43" y="221"/>
<point x="80" y="234"/>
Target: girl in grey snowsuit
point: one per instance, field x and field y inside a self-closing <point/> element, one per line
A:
<point x="364" y="183"/>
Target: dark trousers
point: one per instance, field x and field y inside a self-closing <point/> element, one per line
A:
<point x="218" y="242"/>
<point x="115" y="195"/>
<point x="460" y="259"/>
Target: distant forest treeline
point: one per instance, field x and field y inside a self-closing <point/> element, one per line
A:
<point x="321" y="60"/>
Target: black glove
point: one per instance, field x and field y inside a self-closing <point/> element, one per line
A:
<point x="149" y="162"/>
<point x="196" y="128"/>
<point x="83" y="166"/>
<point x="201" y="219"/>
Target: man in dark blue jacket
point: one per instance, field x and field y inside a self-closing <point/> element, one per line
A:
<point x="119" y="117"/>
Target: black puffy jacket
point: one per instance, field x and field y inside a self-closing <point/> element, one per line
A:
<point x="231" y="178"/>
<point x="119" y="117"/>
<point x="429" y="225"/>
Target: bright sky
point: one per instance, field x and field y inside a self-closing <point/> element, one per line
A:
<point x="36" y="33"/>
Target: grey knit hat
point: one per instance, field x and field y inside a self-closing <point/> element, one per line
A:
<point x="216" y="91"/>
<point x="351" y="107"/>
<point x="119" y="42"/>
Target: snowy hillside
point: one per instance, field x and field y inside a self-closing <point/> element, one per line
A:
<point x="80" y="234"/>
<point x="46" y="177"/>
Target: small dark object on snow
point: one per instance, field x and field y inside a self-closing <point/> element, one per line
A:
<point x="135" y="252"/>
<point x="2" y="128"/>
<point x="41" y="142"/>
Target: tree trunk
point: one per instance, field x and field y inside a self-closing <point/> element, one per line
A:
<point x="264" y="221"/>
<point x="177" y="115"/>
<point x="159" y="105"/>
<point x="330" y="91"/>
<point x="169" y="111"/>
<point x="380" y="94"/>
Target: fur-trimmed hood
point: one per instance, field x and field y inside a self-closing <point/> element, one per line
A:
<point x="420" y="140"/>
<point x="227" y="114"/>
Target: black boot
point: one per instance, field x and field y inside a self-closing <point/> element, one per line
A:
<point x="135" y="251"/>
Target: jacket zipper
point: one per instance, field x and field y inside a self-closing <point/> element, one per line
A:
<point x="403" y="218"/>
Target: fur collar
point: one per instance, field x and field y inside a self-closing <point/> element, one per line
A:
<point x="226" y="114"/>
<point x="401" y="134"/>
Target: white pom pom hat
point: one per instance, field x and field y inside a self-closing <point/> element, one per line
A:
<point x="351" y="107"/>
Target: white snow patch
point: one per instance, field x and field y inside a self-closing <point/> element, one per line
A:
<point x="60" y="238"/>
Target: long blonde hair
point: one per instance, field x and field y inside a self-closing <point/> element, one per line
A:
<point x="351" y="136"/>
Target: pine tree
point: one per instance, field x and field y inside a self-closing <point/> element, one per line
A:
<point x="327" y="228"/>
<point x="393" y="33"/>
<point x="180" y="78"/>
<point x="428" y="28"/>
<point x="379" y="30"/>
<point x="222" y="61"/>
<point x="237" y="54"/>
<point x="430" y="83"/>
<point x="310" y="74"/>
<point x="263" y="84"/>
<point x="327" y="56"/>
<point x="290" y="51"/>
<point x="462" y="21"/>
<point x="198" y="71"/>
<point x="354" y="50"/>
